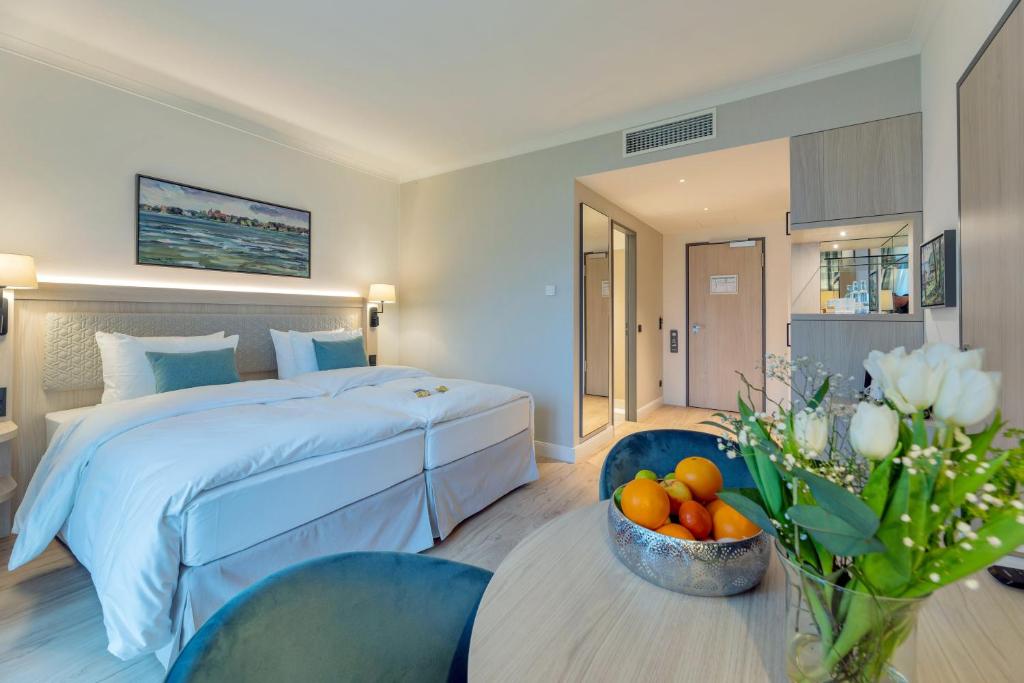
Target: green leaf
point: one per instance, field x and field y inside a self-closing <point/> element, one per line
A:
<point x="840" y="503"/>
<point x="876" y="491"/>
<point x="955" y="563"/>
<point x="971" y="481"/>
<point x="890" y="571"/>
<point x="819" y="395"/>
<point x="747" y="492"/>
<point x="749" y="509"/>
<point x="837" y="535"/>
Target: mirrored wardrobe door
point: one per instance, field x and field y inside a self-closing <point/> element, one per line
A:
<point x="596" y="320"/>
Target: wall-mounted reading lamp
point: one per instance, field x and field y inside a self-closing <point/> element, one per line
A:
<point x="380" y="295"/>
<point x="17" y="271"/>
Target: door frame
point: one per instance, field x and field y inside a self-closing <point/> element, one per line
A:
<point x="631" y="320"/>
<point x="764" y="321"/>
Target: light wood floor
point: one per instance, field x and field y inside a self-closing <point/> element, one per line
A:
<point x="50" y="623"/>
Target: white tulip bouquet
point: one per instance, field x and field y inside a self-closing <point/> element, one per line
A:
<point x="876" y="500"/>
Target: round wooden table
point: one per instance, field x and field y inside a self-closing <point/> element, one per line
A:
<point x="561" y="607"/>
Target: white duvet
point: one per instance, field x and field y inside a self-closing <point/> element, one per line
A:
<point x="122" y="476"/>
<point x="395" y="387"/>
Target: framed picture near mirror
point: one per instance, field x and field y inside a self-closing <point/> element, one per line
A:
<point x="938" y="270"/>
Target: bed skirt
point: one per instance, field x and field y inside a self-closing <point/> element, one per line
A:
<point x="394" y="519"/>
<point x="466" y="486"/>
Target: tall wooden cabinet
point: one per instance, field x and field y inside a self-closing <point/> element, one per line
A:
<point x="869" y="169"/>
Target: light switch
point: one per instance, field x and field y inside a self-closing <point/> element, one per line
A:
<point x="549" y="290"/>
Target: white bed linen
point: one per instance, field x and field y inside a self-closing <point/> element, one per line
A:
<point x="393" y="387"/>
<point x="466" y="486"/>
<point x="449" y="441"/>
<point x="395" y="519"/>
<point x="233" y="517"/>
<point x="131" y="469"/>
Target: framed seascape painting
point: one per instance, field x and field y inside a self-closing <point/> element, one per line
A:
<point x="938" y="270"/>
<point x="183" y="226"/>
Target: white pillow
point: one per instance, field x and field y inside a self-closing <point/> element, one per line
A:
<point x="283" y="351"/>
<point x="126" y="370"/>
<point x="303" y="358"/>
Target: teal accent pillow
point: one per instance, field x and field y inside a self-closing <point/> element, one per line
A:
<point x="174" y="371"/>
<point x="346" y="353"/>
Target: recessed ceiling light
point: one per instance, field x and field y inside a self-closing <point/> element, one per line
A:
<point x="842" y="234"/>
<point x="706" y="208"/>
<point x="835" y="246"/>
<point x="682" y="180"/>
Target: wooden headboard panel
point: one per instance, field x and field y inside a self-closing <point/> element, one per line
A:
<point x="55" y="354"/>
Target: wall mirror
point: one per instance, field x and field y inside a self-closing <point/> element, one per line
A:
<point x="855" y="270"/>
<point x="596" y="320"/>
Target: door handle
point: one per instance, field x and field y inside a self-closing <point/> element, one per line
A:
<point x="695" y="328"/>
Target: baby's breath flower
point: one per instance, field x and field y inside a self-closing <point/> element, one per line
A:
<point x="935" y="578"/>
<point x="1017" y="504"/>
<point x="994" y="541"/>
<point x="972" y="584"/>
<point x="966" y="546"/>
<point x="904" y="517"/>
<point x="908" y="541"/>
<point x="934" y="508"/>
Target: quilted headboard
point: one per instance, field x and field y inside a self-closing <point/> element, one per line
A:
<point x="72" y="358"/>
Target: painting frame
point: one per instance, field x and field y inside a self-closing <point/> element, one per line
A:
<point x="304" y="248"/>
<point x="938" y="271"/>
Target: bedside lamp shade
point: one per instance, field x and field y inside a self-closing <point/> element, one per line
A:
<point x="382" y="293"/>
<point x="17" y="271"/>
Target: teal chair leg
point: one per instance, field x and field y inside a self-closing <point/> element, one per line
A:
<point x="350" y="617"/>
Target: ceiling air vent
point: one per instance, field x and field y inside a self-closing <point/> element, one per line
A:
<point x="681" y="130"/>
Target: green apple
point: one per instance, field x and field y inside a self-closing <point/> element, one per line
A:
<point x="670" y="476"/>
<point x="646" y="474"/>
<point x="618" y="496"/>
<point x="678" y="493"/>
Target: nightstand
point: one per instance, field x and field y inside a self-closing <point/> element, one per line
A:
<point x="8" y="430"/>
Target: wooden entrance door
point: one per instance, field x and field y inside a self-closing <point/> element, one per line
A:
<point x="725" y="321"/>
<point x="991" y="124"/>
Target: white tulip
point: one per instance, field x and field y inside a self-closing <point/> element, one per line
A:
<point x="874" y="430"/>
<point x="911" y="382"/>
<point x="968" y="395"/>
<point x="811" y="430"/>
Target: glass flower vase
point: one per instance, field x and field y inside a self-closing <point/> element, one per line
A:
<point x="838" y="635"/>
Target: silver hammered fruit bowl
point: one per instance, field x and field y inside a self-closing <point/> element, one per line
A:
<point x="705" y="568"/>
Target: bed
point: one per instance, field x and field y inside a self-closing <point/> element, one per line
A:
<point x="237" y="481"/>
<point x="478" y="444"/>
<point x="411" y="478"/>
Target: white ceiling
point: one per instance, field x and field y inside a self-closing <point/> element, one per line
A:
<point x="409" y="88"/>
<point x="738" y="186"/>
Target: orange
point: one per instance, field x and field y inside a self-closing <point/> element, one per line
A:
<point x="694" y="517"/>
<point x="728" y="523"/>
<point x="714" y="505"/>
<point x="701" y="476"/>
<point x="676" y="531"/>
<point x="645" y="502"/>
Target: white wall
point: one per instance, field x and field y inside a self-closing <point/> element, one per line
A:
<point x="955" y="36"/>
<point x="69" y="152"/>
<point x="777" y="297"/>
<point x="479" y="244"/>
